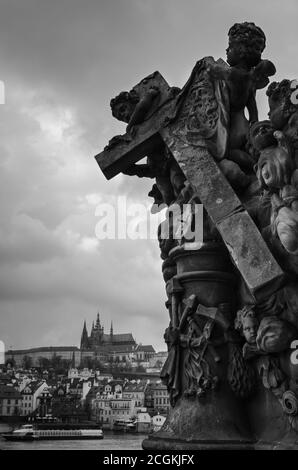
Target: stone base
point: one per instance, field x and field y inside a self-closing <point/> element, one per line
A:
<point x="212" y="423"/>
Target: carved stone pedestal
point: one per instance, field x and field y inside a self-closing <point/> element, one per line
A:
<point x="216" y="422"/>
<point x="207" y="414"/>
<point x="269" y="423"/>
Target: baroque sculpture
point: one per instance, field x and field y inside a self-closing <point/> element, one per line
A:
<point x="232" y="299"/>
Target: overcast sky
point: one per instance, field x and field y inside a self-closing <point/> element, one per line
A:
<point x="61" y="62"/>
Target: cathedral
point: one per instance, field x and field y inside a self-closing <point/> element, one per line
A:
<point x="98" y="339"/>
<point x="121" y="348"/>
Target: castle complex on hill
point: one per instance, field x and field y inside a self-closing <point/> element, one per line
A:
<point x="120" y="348"/>
<point x="98" y="339"/>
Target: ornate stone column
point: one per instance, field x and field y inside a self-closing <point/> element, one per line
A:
<point x="206" y="413"/>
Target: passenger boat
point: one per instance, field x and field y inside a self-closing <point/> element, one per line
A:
<point x="124" y="425"/>
<point x="27" y="432"/>
<point x="24" y="433"/>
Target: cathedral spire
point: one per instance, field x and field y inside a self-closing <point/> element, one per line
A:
<point x="111" y="332"/>
<point x="84" y="337"/>
<point x="97" y="326"/>
<point x="73" y="359"/>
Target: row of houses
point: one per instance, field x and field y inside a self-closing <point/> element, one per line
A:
<point x="98" y="398"/>
<point x="138" y="401"/>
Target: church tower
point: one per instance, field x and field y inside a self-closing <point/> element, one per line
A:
<point x="97" y="333"/>
<point x="84" y="338"/>
<point x="97" y="325"/>
<point x="111" y="333"/>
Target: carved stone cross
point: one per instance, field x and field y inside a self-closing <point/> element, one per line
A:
<point x="247" y="248"/>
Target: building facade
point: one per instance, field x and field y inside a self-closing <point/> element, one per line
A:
<point x="10" y="401"/>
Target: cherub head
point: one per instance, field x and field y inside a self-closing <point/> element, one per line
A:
<point x="247" y="323"/>
<point x="275" y="166"/>
<point x="284" y="222"/>
<point x="123" y="105"/>
<point x="261" y="135"/>
<point x="246" y="44"/>
<point x="280" y="104"/>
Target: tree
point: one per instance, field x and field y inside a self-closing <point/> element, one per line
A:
<point x="10" y="362"/>
<point x="44" y="362"/>
<point x="27" y="362"/>
<point x="56" y="361"/>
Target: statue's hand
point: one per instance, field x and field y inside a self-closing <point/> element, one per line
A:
<point x="116" y="140"/>
<point x="130" y="170"/>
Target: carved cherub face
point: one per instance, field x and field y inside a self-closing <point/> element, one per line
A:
<point x="123" y="111"/>
<point x="274" y="168"/>
<point x="234" y="55"/>
<point x="247" y="323"/>
<point x="261" y="135"/>
<point x="281" y="108"/>
<point x="240" y="54"/>
<point x="250" y="329"/>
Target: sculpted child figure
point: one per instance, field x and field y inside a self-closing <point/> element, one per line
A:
<point x="277" y="175"/>
<point x="275" y="166"/>
<point x="247" y="73"/>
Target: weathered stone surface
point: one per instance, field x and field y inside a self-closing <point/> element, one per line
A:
<point x="128" y="149"/>
<point x="248" y="249"/>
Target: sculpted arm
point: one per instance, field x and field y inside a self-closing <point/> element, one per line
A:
<point x="142" y="108"/>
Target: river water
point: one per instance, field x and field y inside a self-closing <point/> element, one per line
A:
<point x="111" y="441"/>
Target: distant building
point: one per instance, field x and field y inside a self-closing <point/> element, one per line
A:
<point x="44" y="402"/>
<point x="10" y="401"/>
<point x="143" y="420"/>
<point x="135" y="392"/>
<point x="98" y="338"/>
<point x="158" y="359"/>
<point x="144" y="353"/>
<point x="115" y="400"/>
<point x="161" y="402"/>
<point x="108" y="410"/>
<point x="67" y="353"/>
<point x="30" y="395"/>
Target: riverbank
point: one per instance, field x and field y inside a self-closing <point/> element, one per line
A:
<point x="111" y="441"/>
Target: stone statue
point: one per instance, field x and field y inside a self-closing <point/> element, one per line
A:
<point x="232" y="299"/>
<point x="133" y="108"/>
<point x="247" y="73"/>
